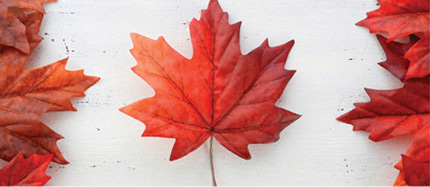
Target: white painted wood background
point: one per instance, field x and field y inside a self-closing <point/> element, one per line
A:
<point x="334" y="60"/>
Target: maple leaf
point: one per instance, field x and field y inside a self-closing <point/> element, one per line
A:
<point x="217" y="93"/>
<point x="26" y="94"/>
<point x="15" y="18"/>
<point x="25" y="172"/>
<point x="401" y="18"/>
<point x="392" y="113"/>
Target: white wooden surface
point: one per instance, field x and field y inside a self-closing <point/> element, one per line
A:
<point x="334" y="60"/>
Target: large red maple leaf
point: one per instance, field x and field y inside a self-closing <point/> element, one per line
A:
<point x="218" y="92"/>
<point x="25" y="172"/>
<point x="16" y="16"/>
<point x="26" y="94"/>
<point x="401" y="18"/>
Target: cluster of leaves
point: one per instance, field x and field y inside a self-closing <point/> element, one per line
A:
<point x="392" y="113"/>
<point x="218" y="93"/>
<point x="27" y="94"/>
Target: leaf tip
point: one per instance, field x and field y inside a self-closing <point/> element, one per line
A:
<point x="214" y="4"/>
<point x="265" y="43"/>
<point x="341" y="118"/>
<point x="289" y="45"/>
<point x="123" y="109"/>
<point x="345" y="118"/>
<point x="292" y="42"/>
<point x="246" y="156"/>
<point x="371" y="92"/>
<point x="63" y="62"/>
<point x="61" y="161"/>
<point x="25" y="48"/>
<point x="375" y="138"/>
<point x="173" y="157"/>
<point x="94" y="79"/>
<point x="133" y="35"/>
<point x="135" y="38"/>
<point x="360" y="23"/>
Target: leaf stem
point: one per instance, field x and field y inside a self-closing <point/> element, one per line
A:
<point x="212" y="161"/>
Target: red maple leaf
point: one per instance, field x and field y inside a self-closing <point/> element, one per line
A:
<point x="26" y="94"/>
<point x="217" y="93"/>
<point x="401" y="18"/>
<point x="392" y="113"/>
<point x="17" y="19"/>
<point x="25" y="172"/>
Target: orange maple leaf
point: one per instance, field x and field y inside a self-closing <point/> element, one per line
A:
<point x="26" y="94"/>
<point x="217" y="93"/>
